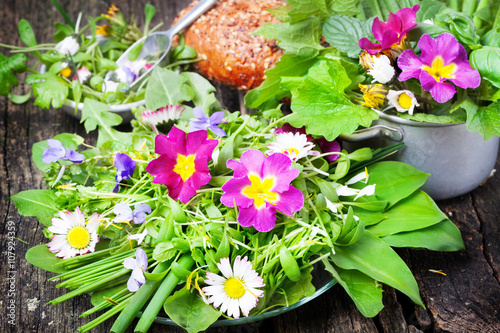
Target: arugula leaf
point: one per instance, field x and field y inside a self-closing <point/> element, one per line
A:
<point x="38" y="203"/>
<point x="15" y="63"/>
<point x="165" y="87"/>
<point x="343" y="33"/>
<point x="321" y="105"/>
<point x="189" y="311"/>
<point x="48" y="89"/>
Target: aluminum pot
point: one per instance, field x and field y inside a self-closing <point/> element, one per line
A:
<point x="457" y="160"/>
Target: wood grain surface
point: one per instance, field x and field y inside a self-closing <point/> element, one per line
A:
<point x="467" y="299"/>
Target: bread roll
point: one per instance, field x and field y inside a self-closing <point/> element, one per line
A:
<point x="223" y="39"/>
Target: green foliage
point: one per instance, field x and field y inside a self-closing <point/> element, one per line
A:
<point x="41" y="257"/>
<point x="48" y="89"/>
<point x="39" y="203"/>
<point x="166" y="87"/>
<point x="487" y="61"/>
<point x="16" y="63"/>
<point x="344" y="32"/>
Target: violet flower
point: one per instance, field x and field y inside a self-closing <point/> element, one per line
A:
<point x="138" y="267"/>
<point x="260" y="187"/>
<point x="57" y="152"/>
<point x="442" y="59"/>
<point x="124" y="213"/>
<point x="125" y="167"/>
<point x="203" y="122"/>
<point x="392" y="32"/>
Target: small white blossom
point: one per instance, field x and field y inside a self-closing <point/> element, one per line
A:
<point x="381" y="69"/>
<point x="293" y="145"/>
<point x="68" y="45"/>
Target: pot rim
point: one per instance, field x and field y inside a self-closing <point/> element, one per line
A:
<point x="413" y="123"/>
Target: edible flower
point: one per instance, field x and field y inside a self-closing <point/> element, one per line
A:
<point x="442" y="59"/>
<point x="68" y="46"/>
<point x="373" y="95"/>
<point x="73" y="235"/>
<point x="138" y="267"/>
<point x="125" y="167"/>
<point x="57" y="152"/>
<point x="139" y="237"/>
<point x="381" y="69"/>
<point x="168" y="114"/>
<point x="260" y="187"/>
<point x="124" y="213"/>
<point x="202" y="122"/>
<point x="293" y="145"/>
<point x="236" y="289"/>
<point x="345" y="190"/>
<point x="402" y="100"/>
<point x="183" y="162"/>
<point x="391" y="34"/>
<point x="83" y="74"/>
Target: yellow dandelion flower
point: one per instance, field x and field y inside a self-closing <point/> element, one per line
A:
<point x="103" y="30"/>
<point x="373" y="95"/>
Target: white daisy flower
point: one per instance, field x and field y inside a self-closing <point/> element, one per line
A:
<point x="73" y="235"/>
<point x="83" y="74"/>
<point x="381" y="69"/>
<point x="236" y="289"/>
<point x="402" y="100"/>
<point x="293" y="145"/>
<point x="68" y="45"/>
<point x="162" y="115"/>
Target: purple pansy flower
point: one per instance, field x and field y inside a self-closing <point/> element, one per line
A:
<point x="442" y="59"/>
<point x="183" y="162"/>
<point x="260" y="187"/>
<point x="57" y="152"/>
<point x="125" y="167"/>
<point x="124" y="213"/>
<point x="392" y="32"/>
<point x="203" y="122"/>
<point x="138" y="267"/>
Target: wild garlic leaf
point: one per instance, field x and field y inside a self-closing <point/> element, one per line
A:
<point x="8" y="79"/>
<point x="321" y="105"/>
<point x="48" y="89"/>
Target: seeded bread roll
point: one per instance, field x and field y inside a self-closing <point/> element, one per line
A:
<point x="222" y="37"/>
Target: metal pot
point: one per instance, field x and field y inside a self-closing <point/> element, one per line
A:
<point x="457" y="160"/>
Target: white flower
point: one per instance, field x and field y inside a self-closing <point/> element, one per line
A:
<point x="295" y="146"/>
<point x="402" y="100"/>
<point x="73" y="235"/>
<point x="68" y="45"/>
<point x="139" y="237"/>
<point x="110" y="86"/>
<point x="346" y="191"/>
<point x="82" y="74"/>
<point x="429" y="21"/>
<point x="138" y="267"/>
<point x="381" y="69"/>
<point x="166" y="114"/>
<point x="236" y="289"/>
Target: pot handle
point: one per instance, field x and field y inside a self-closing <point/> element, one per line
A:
<point x="378" y="131"/>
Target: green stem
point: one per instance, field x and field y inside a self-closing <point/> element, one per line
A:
<point x="137" y="301"/>
<point x="454" y="5"/>
<point x="63" y="13"/>
<point x="469" y="6"/>
<point x="161" y="295"/>
<point x="497" y="20"/>
<point x="108" y="314"/>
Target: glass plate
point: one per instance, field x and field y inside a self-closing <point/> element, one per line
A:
<point x="322" y="280"/>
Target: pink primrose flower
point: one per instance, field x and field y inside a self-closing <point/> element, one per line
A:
<point x="183" y="162"/>
<point x="260" y="187"/>
<point x="442" y="59"/>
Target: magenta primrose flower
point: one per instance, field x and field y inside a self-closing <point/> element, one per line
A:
<point x="183" y="162"/>
<point x="442" y="59"/>
<point x="260" y="187"/>
<point x="390" y="33"/>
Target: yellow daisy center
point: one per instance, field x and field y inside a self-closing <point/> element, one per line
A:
<point x="439" y="71"/>
<point x="234" y="288"/>
<point x="65" y="72"/>
<point x="78" y="238"/>
<point x="291" y="151"/>
<point x="260" y="191"/>
<point x="185" y="166"/>
<point x="405" y="101"/>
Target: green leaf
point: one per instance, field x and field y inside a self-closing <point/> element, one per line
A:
<point x="48" y="89"/>
<point x="375" y="258"/>
<point x="343" y="33"/>
<point x="38" y="203"/>
<point x="344" y="7"/>
<point x="301" y="10"/>
<point x="19" y="99"/>
<point x="363" y="290"/>
<point x="189" y="311"/>
<point x="443" y="236"/>
<point x="164" y="251"/>
<point x="26" y="33"/>
<point x="429" y="9"/>
<point x="483" y="120"/>
<point x="63" y="31"/>
<point x="487" y="61"/>
<point x="149" y="13"/>
<point x="95" y="114"/>
<point x="460" y="25"/>
<point x="394" y="180"/>
<point x="418" y="211"/>
<point x="292" y="292"/>
<point x="203" y="90"/>
<point x="41" y="257"/>
<point x="166" y="87"/>
<point x="16" y="63"/>
<point x="321" y="105"/>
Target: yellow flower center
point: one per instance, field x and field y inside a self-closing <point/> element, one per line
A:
<point x="65" y="72"/>
<point x="260" y="191"/>
<point x="405" y="101"/>
<point x="185" y="166"/>
<point x="439" y="71"/>
<point x="78" y="238"/>
<point x="291" y="151"/>
<point x="373" y="95"/>
<point x="234" y="288"/>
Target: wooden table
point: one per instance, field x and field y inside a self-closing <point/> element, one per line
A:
<point x="467" y="299"/>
